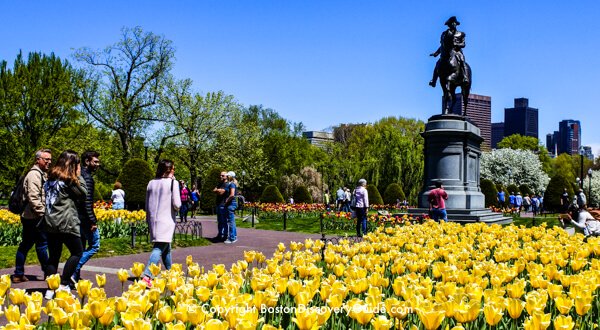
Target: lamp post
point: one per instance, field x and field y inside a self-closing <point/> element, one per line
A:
<point x="146" y="150"/>
<point x="243" y="185"/>
<point x="590" y="185"/>
<point x="581" y="160"/>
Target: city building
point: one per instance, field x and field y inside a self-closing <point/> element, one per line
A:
<point x="318" y="138"/>
<point x="569" y="137"/>
<point x="587" y="152"/>
<point x="479" y="111"/>
<point x="497" y="134"/>
<point x="521" y="119"/>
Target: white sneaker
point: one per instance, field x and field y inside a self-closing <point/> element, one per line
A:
<point x="230" y="241"/>
<point x="49" y="294"/>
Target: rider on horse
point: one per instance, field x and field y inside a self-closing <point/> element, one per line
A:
<point x="452" y="42"/>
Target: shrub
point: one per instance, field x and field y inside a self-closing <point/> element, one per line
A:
<point x="525" y="190"/>
<point x="271" y="194"/>
<point x="103" y="191"/>
<point x="555" y="190"/>
<point x="490" y="192"/>
<point x="393" y="193"/>
<point x="301" y="195"/>
<point x="134" y="177"/>
<point x="512" y="188"/>
<point x="374" y="195"/>
<point x="208" y="199"/>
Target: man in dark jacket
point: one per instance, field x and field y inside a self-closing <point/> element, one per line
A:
<point x="90" y="236"/>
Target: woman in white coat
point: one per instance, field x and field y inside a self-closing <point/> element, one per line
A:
<point x="162" y="204"/>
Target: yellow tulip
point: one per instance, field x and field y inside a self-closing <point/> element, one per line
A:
<point x="12" y="313"/>
<point x="121" y="304"/>
<point x="431" y="318"/>
<point x="108" y="316"/>
<point x="137" y="269"/>
<point x="74" y="320"/>
<point x="97" y="308"/>
<point x="141" y="324"/>
<point x="165" y="315"/>
<point x="123" y="275"/>
<point x="53" y="281"/>
<point x="562" y="322"/>
<point x="539" y="320"/>
<point x="196" y="314"/>
<point x="60" y="316"/>
<point x="203" y="293"/>
<point x="17" y="296"/>
<point x="493" y="314"/>
<point x="214" y="324"/>
<point x="4" y="287"/>
<point x="85" y="317"/>
<point x="128" y="319"/>
<point x="563" y="304"/>
<point x="270" y="327"/>
<point x="33" y="312"/>
<point x="101" y="280"/>
<point x="178" y="326"/>
<point x="381" y="323"/>
<point x="83" y="287"/>
<point x="305" y="319"/>
<point x="583" y="304"/>
<point x="155" y="269"/>
<point x="189" y="260"/>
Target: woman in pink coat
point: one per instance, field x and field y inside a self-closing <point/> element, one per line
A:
<point x="162" y="204"/>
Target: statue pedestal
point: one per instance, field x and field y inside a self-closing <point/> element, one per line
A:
<point x="452" y="153"/>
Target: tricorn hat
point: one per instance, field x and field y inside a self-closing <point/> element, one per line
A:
<point x="452" y="19"/>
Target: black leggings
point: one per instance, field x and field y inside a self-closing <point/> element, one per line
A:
<point x="55" y="245"/>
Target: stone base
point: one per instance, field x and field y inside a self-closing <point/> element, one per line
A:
<point x="465" y="216"/>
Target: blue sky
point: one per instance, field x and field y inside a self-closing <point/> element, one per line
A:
<point x="329" y="62"/>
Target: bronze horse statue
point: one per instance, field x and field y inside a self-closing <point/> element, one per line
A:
<point x="452" y="76"/>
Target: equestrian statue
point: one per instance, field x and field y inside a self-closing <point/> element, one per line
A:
<point x="451" y="68"/>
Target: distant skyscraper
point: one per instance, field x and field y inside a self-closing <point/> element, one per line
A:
<point x="318" y="139"/>
<point x="550" y="142"/>
<point x="569" y="136"/>
<point x="497" y="134"/>
<point x="521" y="119"/>
<point x="587" y="152"/>
<point x="479" y="110"/>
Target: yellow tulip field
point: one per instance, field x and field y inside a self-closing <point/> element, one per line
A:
<point x="429" y="276"/>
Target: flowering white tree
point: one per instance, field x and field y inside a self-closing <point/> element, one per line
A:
<point x="594" y="199"/>
<point x="509" y="166"/>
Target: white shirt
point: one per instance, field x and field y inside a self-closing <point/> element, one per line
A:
<point x="118" y="196"/>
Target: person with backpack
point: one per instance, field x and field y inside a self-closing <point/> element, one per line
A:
<point x="66" y="193"/>
<point x="185" y="201"/>
<point x="195" y="199"/>
<point x="231" y="206"/>
<point x="31" y="205"/>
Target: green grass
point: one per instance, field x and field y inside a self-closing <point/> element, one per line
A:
<point x="304" y="224"/>
<point x="108" y="248"/>
<point x="550" y="219"/>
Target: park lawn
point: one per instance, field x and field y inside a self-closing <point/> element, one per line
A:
<point x="309" y="225"/>
<point x="550" y="220"/>
<point x="108" y="248"/>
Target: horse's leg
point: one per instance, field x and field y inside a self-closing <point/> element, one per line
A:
<point x="451" y="93"/>
<point x="465" y="91"/>
<point x="443" y="84"/>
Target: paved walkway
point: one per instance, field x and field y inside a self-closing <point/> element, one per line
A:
<point x="264" y="241"/>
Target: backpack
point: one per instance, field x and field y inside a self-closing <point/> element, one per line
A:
<point x="18" y="201"/>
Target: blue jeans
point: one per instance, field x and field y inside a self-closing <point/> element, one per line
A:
<point x="91" y="239"/>
<point x="222" y="221"/>
<point x="31" y="235"/>
<point x="183" y="211"/>
<point x="437" y="214"/>
<point x="160" y="250"/>
<point x="231" y="221"/>
<point x="361" y="221"/>
<point x="118" y="206"/>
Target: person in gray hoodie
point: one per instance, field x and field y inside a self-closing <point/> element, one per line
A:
<point x="65" y="193"/>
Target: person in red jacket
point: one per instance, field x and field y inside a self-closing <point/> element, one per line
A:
<point x="437" y="204"/>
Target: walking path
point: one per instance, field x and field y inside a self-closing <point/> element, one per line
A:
<point x="264" y="241"/>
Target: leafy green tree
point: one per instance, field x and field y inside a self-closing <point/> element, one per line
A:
<point x="201" y="127"/>
<point x="271" y="194"/>
<point x="374" y="195"/>
<point x="123" y="82"/>
<point x="37" y="101"/>
<point x="525" y="190"/>
<point x="555" y="190"/>
<point x="490" y="192"/>
<point x="564" y="165"/>
<point x="512" y="188"/>
<point x="135" y="177"/>
<point x="301" y="195"/>
<point x="207" y="196"/>
<point x="392" y="194"/>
